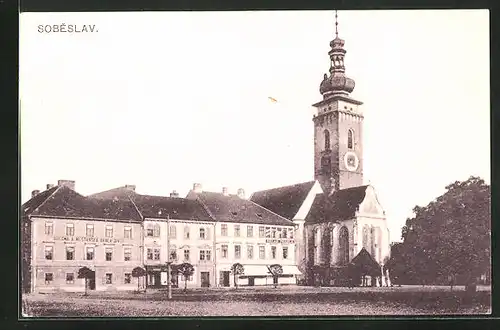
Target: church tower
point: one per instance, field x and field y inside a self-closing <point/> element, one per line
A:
<point x="338" y="126"/>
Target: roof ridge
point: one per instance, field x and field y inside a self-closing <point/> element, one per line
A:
<point x="271" y="211"/>
<point x="136" y="208"/>
<point x="46" y="199"/>
<point x="205" y="208"/>
<point x="287" y="186"/>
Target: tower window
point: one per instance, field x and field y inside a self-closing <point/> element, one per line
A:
<point x="350" y="139"/>
<point x="327" y="139"/>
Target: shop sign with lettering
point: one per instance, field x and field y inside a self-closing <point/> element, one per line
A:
<point x="88" y="239"/>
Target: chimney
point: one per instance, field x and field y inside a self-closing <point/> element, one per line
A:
<point x="49" y="185"/>
<point x="130" y="187"/>
<point x="66" y="183"/>
<point x="224" y="191"/>
<point x="174" y="194"/>
<point x="241" y="193"/>
<point x="34" y="193"/>
<point x="197" y="188"/>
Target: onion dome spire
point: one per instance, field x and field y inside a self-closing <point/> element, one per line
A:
<point x="337" y="83"/>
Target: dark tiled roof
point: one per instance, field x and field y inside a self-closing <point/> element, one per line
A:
<point x="175" y="208"/>
<point x="284" y="201"/>
<point x="28" y="207"/>
<point x="341" y="205"/>
<point x="365" y="262"/>
<point x="116" y="193"/>
<point x="232" y="208"/>
<point x="65" y="202"/>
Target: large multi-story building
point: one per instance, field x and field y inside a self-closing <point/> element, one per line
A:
<point x="115" y="231"/>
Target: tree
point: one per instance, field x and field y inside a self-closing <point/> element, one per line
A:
<point x="186" y="270"/>
<point x="85" y="273"/>
<point x="237" y="269"/>
<point x="451" y="235"/>
<point x="275" y="270"/>
<point x="138" y="272"/>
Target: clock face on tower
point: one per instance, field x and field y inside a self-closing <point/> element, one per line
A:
<point x="351" y="161"/>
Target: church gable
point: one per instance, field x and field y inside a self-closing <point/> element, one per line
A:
<point x="370" y="204"/>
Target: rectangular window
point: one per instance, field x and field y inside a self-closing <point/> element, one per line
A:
<point x="70" y="253"/>
<point x="156" y="254"/>
<point x="273" y="252"/>
<point x="237" y="230"/>
<point x="109" y="231"/>
<point x="262" y="232"/>
<point x="127" y="278"/>
<point x="49" y="252"/>
<point x="127" y="254"/>
<point x="150" y="254"/>
<point x="223" y="230"/>
<point x="49" y="228"/>
<point x="202" y="233"/>
<point x="224" y="251"/>
<point x="250" y="251"/>
<point x="284" y="233"/>
<point x="186" y="255"/>
<point x="205" y="255"/>
<point x="290" y="232"/>
<point x="278" y="233"/>
<point x="268" y="232"/>
<point x="70" y="278"/>
<point x="285" y="252"/>
<point x="70" y="229"/>
<point x="109" y="278"/>
<point x="109" y="254"/>
<point x="273" y="232"/>
<point x="173" y="255"/>
<point x="186" y="232"/>
<point x="49" y="277"/>
<point x="150" y="231"/>
<point x="237" y="251"/>
<point x="173" y="231"/>
<point x="156" y="230"/>
<point x="89" y="230"/>
<point x="262" y="252"/>
<point x="89" y="253"/>
<point x="127" y="232"/>
<point x="249" y="231"/>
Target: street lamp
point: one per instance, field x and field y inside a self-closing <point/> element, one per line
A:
<point x="169" y="280"/>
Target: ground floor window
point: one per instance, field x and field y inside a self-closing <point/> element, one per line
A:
<point x="128" y="278"/>
<point x="70" y="278"/>
<point x="49" y="277"/>
<point x="109" y="278"/>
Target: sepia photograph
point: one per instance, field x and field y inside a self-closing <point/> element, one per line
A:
<point x="254" y="163"/>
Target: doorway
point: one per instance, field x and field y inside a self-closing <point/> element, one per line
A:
<point x="275" y="280"/>
<point x="92" y="281"/>
<point x="225" y="278"/>
<point x="251" y="281"/>
<point x="205" y="279"/>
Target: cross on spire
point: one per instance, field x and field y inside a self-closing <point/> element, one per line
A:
<point x="336" y="25"/>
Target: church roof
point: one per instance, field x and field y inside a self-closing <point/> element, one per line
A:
<point x="341" y="205"/>
<point x="285" y="201"/>
<point x="231" y="208"/>
<point x="64" y="202"/>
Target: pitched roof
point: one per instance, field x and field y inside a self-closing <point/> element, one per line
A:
<point x="365" y="263"/>
<point x="341" y="205"/>
<point x="123" y="192"/>
<point x="65" y="202"/>
<point x="173" y="207"/>
<point x="285" y="201"/>
<point x="232" y="208"/>
<point x="31" y="205"/>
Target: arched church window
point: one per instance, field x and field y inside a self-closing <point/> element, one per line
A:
<point x="366" y="230"/>
<point x="326" y="165"/>
<point x="350" y="139"/>
<point x="327" y="139"/>
<point x="317" y="246"/>
<point x="343" y="245"/>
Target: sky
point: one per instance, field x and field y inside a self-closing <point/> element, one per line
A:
<point x="166" y="99"/>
